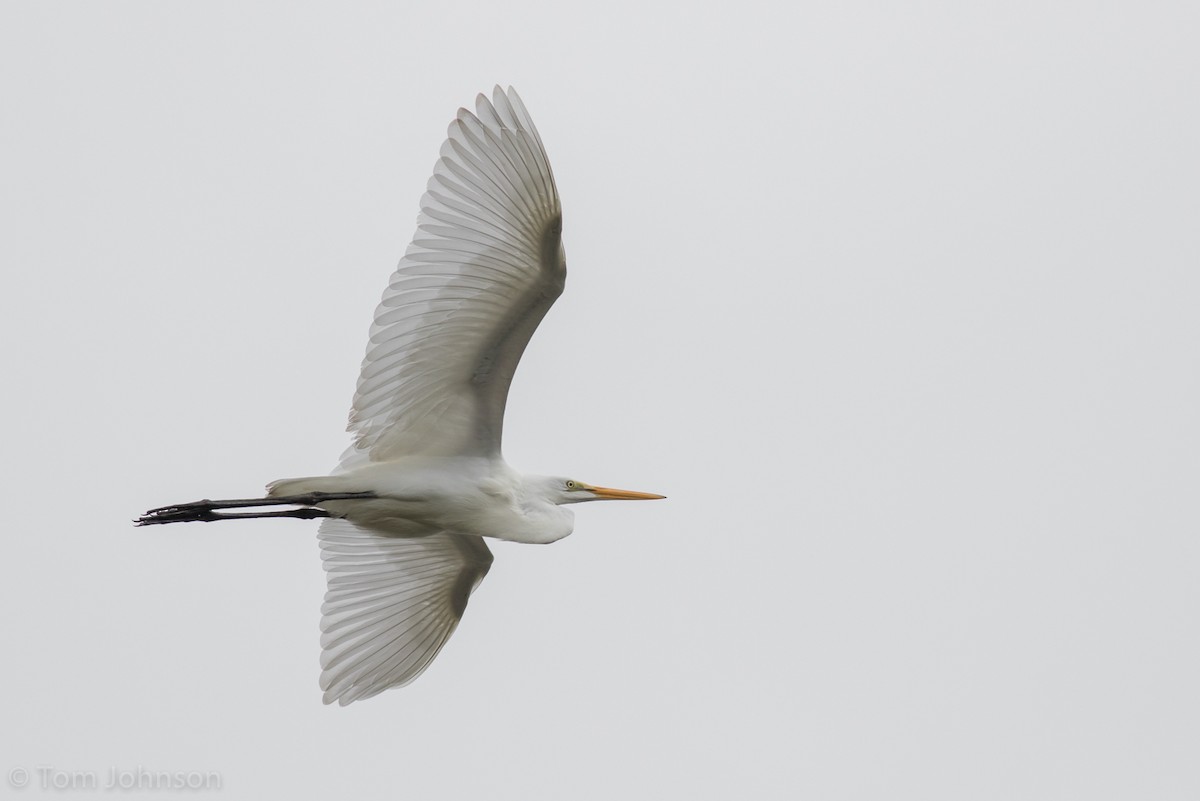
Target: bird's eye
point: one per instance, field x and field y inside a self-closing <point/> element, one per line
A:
<point x="570" y="485"/>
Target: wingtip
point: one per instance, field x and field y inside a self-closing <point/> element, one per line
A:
<point x="502" y="96"/>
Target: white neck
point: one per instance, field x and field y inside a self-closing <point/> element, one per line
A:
<point x="544" y="520"/>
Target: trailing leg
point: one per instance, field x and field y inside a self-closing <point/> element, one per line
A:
<point x="206" y="510"/>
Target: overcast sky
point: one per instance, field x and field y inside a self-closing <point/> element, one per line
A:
<point x="899" y="304"/>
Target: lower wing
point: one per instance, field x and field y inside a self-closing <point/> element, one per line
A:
<point x="392" y="603"/>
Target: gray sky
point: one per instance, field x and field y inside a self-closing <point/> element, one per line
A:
<point x="896" y="302"/>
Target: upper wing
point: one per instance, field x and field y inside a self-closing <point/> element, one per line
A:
<point x="391" y="605"/>
<point x="484" y="267"/>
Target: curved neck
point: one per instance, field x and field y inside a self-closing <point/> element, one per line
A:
<point x="545" y="521"/>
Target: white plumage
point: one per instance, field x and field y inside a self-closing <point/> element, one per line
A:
<point x="391" y="605"/>
<point x="484" y="267"/>
<point x="424" y="480"/>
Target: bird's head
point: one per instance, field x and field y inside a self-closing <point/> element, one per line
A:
<point x="568" y="490"/>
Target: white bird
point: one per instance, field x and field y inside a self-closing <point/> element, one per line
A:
<point x="424" y="481"/>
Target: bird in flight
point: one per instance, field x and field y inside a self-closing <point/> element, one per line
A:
<point x="424" y="482"/>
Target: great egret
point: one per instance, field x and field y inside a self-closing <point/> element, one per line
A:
<point x="424" y="481"/>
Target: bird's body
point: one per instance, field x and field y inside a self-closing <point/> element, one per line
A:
<point x="473" y="495"/>
<point x="424" y="481"/>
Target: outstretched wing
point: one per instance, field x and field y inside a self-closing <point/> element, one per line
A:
<point x="484" y="267"/>
<point x="391" y="604"/>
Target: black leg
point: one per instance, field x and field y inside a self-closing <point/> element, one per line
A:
<point x="208" y="516"/>
<point x="205" y="510"/>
